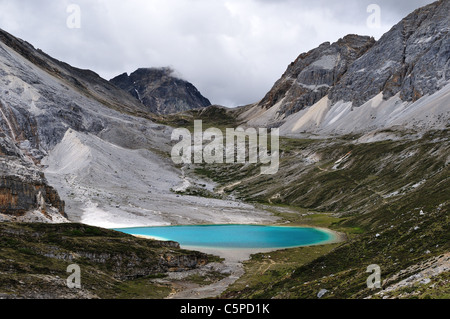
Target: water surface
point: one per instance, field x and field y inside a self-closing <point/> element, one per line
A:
<point x="235" y="236"/>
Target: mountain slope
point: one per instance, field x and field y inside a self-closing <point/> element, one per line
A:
<point x="97" y="146"/>
<point x="40" y="100"/>
<point x="85" y="82"/>
<point x="410" y="60"/>
<point x="160" y="91"/>
<point x="34" y="259"/>
<point x="391" y="198"/>
<point x="313" y="74"/>
<point x="399" y="81"/>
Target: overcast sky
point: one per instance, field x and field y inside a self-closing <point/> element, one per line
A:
<point x="231" y="50"/>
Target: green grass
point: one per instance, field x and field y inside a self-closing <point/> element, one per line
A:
<point x="212" y="117"/>
<point x="263" y="270"/>
<point x="139" y="289"/>
<point x="34" y="260"/>
<point x="370" y="193"/>
<point x="204" y="280"/>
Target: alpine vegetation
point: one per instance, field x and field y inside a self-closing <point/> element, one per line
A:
<point x="231" y="148"/>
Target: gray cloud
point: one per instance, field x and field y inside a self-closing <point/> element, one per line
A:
<point x="232" y="50"/>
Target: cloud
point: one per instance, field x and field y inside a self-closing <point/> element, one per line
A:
<point x="231" y="50"/>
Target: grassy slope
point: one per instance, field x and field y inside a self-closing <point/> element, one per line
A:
<point x="34" y="260"/>
<point x="380" y="188"/>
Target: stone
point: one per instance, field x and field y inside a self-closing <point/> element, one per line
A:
<point x="161" y="91"/>
<point x="322" y="293"/>
<point x="408" y="62"/>
<point x="311" y="76"/>
<point x="411" y="60"/>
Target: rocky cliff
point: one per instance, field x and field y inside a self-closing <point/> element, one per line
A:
<point x="411" y="59"/>
<point x="40" y="100"/>
<point x="34" y="259"/>
<point x="25" y="194"/>
<point x="357" y="85"/>
<point x="160" y="91"/>
<point x="313" y="74"/>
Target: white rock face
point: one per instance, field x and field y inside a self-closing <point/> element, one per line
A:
<point x="428" y="113"/>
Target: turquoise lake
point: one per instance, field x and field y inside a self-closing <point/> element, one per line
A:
<point x="235" y="236"/>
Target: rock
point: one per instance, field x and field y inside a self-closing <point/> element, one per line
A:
<point x="160" y="91"/>
<point x="323" y="92"/>
<point x="425" y="281"/>
<point x="311" y="76"/>
<point x="322" y="293"/>
<point x="24" y="188"/>
<point x="410" y="59"/>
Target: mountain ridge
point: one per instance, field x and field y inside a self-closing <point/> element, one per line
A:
<point x="102" y="150"/>
<point x="87" y="82"/>
<point x="407" y="65"/>
<point x="160" y="91"/>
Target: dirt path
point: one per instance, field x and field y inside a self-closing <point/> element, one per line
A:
<point x="232" y="266"/>
<point x="189" y="291"/>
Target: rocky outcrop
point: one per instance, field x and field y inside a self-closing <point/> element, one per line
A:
<point x="173" y="262"/>
<point x="160" y="91"/>
<point x="411" y="59"/>
<point x="374" y="85"/>
<point x="109" y="261"/>
<point x="128" y="266"/>
<point x="18" y="197"/>
<point x="142" y="258"/>
<point x="23" y="186"/>
<point x="40" y="100"/>
<point x="313" y="74"/>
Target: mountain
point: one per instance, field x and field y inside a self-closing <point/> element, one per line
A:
<point x="75" y="148"/>
<point x="69" y="132"/>
<point x="160" y="91"/>
<point x="359" y="85"/>
<point x="40" y="100"/>
<point x="313" y="74"/>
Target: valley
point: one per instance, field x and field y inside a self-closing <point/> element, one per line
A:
<point x="363" y="152"/>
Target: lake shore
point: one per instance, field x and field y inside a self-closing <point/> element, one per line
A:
<point x="243" y="254"/>
<point x="233" y="260"/>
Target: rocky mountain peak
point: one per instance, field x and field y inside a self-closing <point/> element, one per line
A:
<point x="411" y="59"/>
<point x="311" y="76"/>
<point x="408" y="63"/>
<point x="161" y="91"/>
